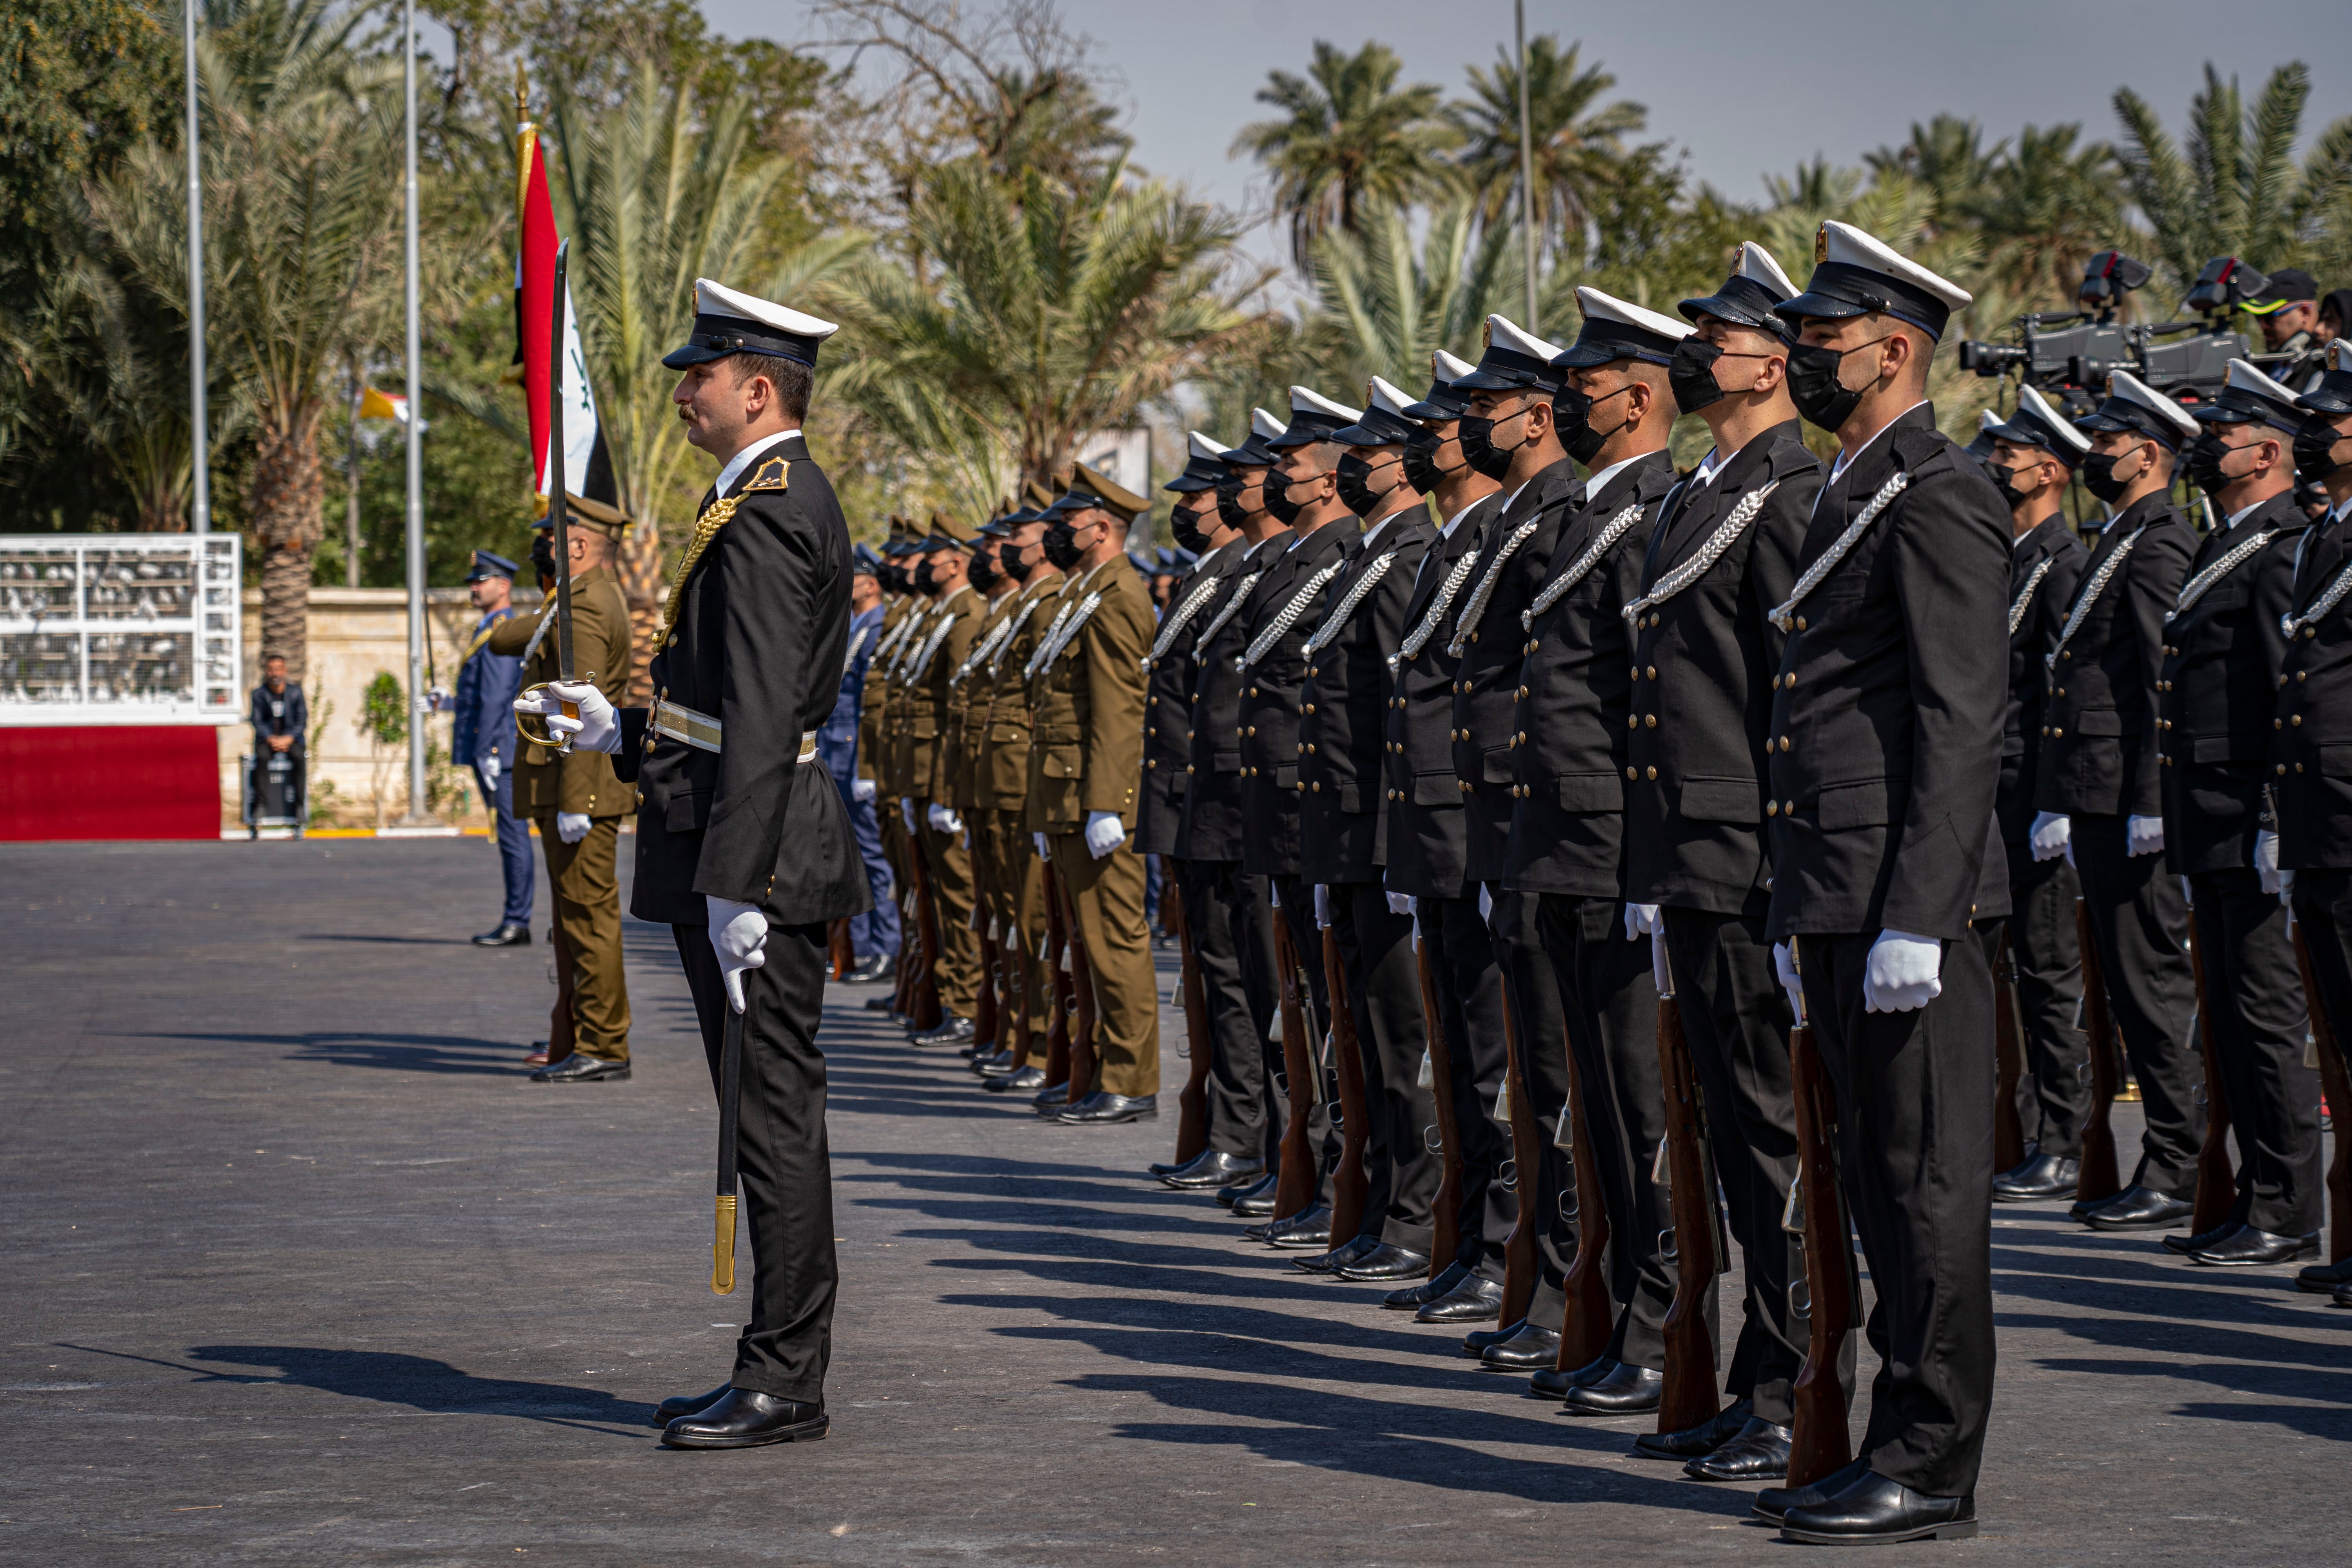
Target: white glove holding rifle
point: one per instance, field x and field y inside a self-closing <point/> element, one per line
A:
<point x="598" y="728"/>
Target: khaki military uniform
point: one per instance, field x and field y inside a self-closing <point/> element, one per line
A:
<point x="587" y="885"/>
<point x="1087" y="712"/>
<point x="877" y="733"/>
<point x="929" y="778"/>
<point x="996" y="731"/>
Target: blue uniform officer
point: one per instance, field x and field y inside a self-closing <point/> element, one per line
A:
<point x="484" y="738"/>
<point x="873" y="936"/>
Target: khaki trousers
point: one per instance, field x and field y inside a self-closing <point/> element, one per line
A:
<point x="588" y="920"/>
<point x="1107" y="901"/>
<point x="949" y="866"/>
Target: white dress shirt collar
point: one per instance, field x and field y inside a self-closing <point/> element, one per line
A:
<point x="747" y="457"/>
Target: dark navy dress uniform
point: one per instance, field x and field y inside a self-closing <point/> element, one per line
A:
<point x="482" y="730"/>
<point x="877" y="931"/>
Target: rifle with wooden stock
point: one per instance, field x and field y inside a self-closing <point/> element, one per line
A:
<point x="1082" y="1006"/>
<point x="2099" y="1178"/>
<point x="1817" y="1444"/>
<point x="1446" y="1209"/>
<point x="924" y="1004"/>
<point x="1061" y="999"/>
<point x="1527" y="1141"/>
<point x="2217" y="1182"/>
<point x="987" y="1019"/>
<point x="1688" y="1396"/>
<point x="2335" y="1077"/>
<point x="1590" y="1319"/>
<point x="1192" y="1099"/>
<point x="840" y="954"/>
<point x="1300" y="1180"/>
<point x="2008" y="1060"/>
<point x="1351" y="1185"/>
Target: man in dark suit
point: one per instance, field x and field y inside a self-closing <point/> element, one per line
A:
<point x="1886" y="732"/>
<point x="1428" y="842"/>
<point x="1342" y="847"/>
<point x="2311" y="730"/>
<point x="2095" y="790"/>
<point x="1241" y="998"/>
<point x="1697" y="868"/>
<point x="744" y="847"/>
<point x="2216" y="706"/>
<point x="2034" y="461"/>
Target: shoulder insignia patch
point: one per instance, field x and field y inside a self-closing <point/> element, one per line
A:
<point x="770" y="475"/>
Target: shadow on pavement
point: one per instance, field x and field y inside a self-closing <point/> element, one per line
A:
<point x="388" y="1377"/>
<point x="399" y="1053"/>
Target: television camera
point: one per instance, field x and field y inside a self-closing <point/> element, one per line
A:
<point x="2067" y="355"/>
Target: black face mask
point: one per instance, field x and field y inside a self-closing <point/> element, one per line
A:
<point x="1572" y="411"/>
<point x="2205" y="454"/>
<point x="1183" y="523"/>
<point x="1691" y="376"/>
<point x="2315" y="449"/>
<point x="1813" y="385"/>
<point x="542" y="555"/>
<point x="1230" y="510"/>
<point x="1478" y="449"/>
<point x="2099" y="478"/>
<point x="1355" y="492"/>
<point x="982" y="574"/>
<point x="1421" y="469"/>
<point x="1062" y="545"/>
<point x="1017" y="561"/>
<point x="1275" y="497"/>
<point x="924" y="582"/>
<point x="2010" y="496"/>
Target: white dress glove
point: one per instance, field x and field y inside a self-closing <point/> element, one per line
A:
<point x="2266" y="860"/>
<point x="2143" y="835"/>
<point x="1640" y="920"/>
<point x="1784" y="965"/>
<point x="490" y="766"/>
<point x="1485" y="902"/>
<point x="738" y="935"/>
<point x="571" y="827"/>
<point x="436" y="699"/>
<point x="907" y="812"/>
<point x="2054" y="833"/>
<point x="943" y="820"/>
<point x="1905" y="973"/>
<point x="861" y="789"/>
<point x="1105" y="833"/>
<point x="2287" y="897"/>
<point x="1044" y="853"/>
<point x="1322" y="906"/>
<point x="598" y="728"/>
<point x="1400" y="903"/>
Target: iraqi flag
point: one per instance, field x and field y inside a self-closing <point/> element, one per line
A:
<point x="587" y="470"/>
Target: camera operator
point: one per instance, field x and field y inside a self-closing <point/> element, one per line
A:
<point x="2288" y="309"/>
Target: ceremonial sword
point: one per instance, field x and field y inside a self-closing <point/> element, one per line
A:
<point x="731" y="1084"/>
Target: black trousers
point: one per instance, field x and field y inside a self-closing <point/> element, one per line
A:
<point x="1297" y="912"/>
<point x="784" y="1166"/>
<point x="2323" y="908"/>
<point x="1736" y="1017"/>
<point x="2141" y="924"/>
<point x="2054" y="1094"/>
<point x="1914" y="1145"/>
<point x="1470" y="1010"/>
<point x="1611" y="1003"/>
<point x="1539" y="1030"/>
<point x="1384" y="999"/>
<point x="2255" y="993"/>
<point x="1233" y="946"/>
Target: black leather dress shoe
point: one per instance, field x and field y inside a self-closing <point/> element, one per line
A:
<point x="2039" y="1178"/>
<point x="991" y="1061"/>
<point x="1875" y="1511"/>
<point x="1101" y="1110"/>
<point x="2325" y="1278"/>
<point x="2185" y="1245"/>
<point x="1532" y="1347"/>
<point x="1696" y="1442"/>
<point x="1773" y="1503"/>
<point x="581" y="1067"/>
<point x="2247" y="1247"/>
<point x="1383" y="1263"/>
<point x="953" y="1032"/>
<point x="1477" y="1340"/>
<point x="1259" y="1202"/>
<point x="869" y="969"/>
<point x="745" y="1419"/>
<point x="509" y="935"/>
<point x="1329" y="1262"/>
<point x="2140" y="1208"/>
<point x="670" y="1409"/>
<point x="1551" y="1382"/>
<point x="1309" y="1227"/>
<point x="2343" y="1296"/>
<point x="1247" y="1187"/>
<point x="1214" y="1169"/>
<point x="1023" y="1081"/>
<point x="1474" y="1301"/>
<point x="1759" y="1453"/>
<point x="878" y="1004"/>
<point x="1051" y="1097"/>
<point x="1626" y="1391"/>
<point x="1413" y="1296"/>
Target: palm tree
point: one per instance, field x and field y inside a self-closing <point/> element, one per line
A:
<point x="2043" y="210"/>
<point x="300" y="145"/>
<point x="1052" y="312"/>
<point x="2234" y="187"/>
<point x="1381" y="308"/>
<point x="659" y="192"/>
<point x="1578" y="143"/>
<point x="1947" y="157"/>
<point x="1349" y="135"/>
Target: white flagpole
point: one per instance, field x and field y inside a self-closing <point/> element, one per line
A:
<point x="418" y="710"/>
<point x="200" y="518"/>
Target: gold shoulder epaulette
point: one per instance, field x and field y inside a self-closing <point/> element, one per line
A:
<point x="770" y="475"/>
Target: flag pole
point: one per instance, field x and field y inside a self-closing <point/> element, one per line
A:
<point x="419" y="709"/>
<point x="200" y="510"/>
<point x="1526" y="164"/>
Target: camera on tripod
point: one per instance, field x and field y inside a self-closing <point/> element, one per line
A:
<point x="2066" y="354"/>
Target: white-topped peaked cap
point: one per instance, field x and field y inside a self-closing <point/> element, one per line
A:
<point x="1384" y="422"/>
<point x="1855" y="273"/>
<point x="1988" y="420"/>
<point x="2036" y="424"/>
<point x="1747" y="297"/>
<point x="727" y="321"/>
<point x="2132" y="405"/>
<point x="1313" y="417"/>
<point x="1254" y="451"/>
<point x="2249" y="396"/>
<point x="1614" y="328"/>
<point x="2332" y="398"/>
<point x="1203" y="466"/>
<point x="1514" y="357"/>
<point x="1443" y="402"/>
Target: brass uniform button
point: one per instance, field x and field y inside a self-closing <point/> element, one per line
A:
<point x="1651" y="720"/>
<point x="1150" y="762"/>
<point x="1188" y="767"/>
<point x="2055" y="733"/>
<point x="2296" y="721"/>
<point x="1652" y="772"/>
<point x="1632" y="773"/>
<point x="1653" y="672"/>
<point x="1784" y="743"/>
<point x="1771" y="808"/>
<point x="1633" y="721"/>
<point x="1800" y="623"/>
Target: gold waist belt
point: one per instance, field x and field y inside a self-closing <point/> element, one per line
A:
<point x="680" y="722"/>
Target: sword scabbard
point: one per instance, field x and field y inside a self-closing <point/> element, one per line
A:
<point x="722" y="1247"/>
